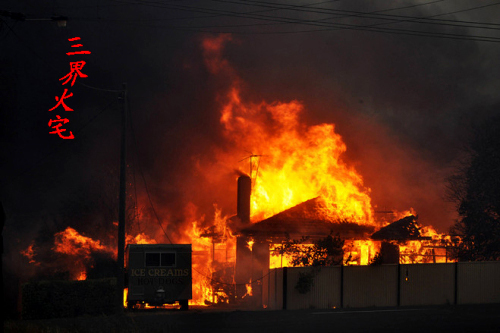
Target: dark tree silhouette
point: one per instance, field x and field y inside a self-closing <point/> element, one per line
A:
<point x="475" y="188"/>
<point x="326" y="251"/>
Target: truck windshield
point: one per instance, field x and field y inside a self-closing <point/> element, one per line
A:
<point x="160" y="259"/>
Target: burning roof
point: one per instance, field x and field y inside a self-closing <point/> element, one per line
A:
<point x="306" y="219"/>
<point x="401" y="230"/>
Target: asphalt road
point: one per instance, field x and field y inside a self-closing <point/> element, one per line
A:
<point x="472" y="318"/>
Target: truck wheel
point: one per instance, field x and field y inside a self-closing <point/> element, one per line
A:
<point x="184" y="305"/>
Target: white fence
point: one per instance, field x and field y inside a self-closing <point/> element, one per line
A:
<point x="385" y="285"/>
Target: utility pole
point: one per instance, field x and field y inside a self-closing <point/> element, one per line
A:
<point x="120" y="276"/>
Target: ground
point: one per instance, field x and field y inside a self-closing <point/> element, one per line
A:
<point x="470" y="318"/>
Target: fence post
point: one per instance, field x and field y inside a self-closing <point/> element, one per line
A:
<point x="285" y="287"/>
<point x="399" y="284"/>
<point x="342" y="286"/>
<point x="456" y="284"/>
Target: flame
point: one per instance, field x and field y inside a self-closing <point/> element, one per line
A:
<point x="125" y="294"/>
<point x="298" y="162"/>
<point x="250" y="244"/>
<point x="139" y="239"/>
<point x="82" y="276"/>
<point x="431" y="249"/>
<point x="249" y="291"/>
<point x="400" y="215"/>
<point x="356" y="252"/>
<point x="71" y="242"/>
<point x="29" y="253"/>
<point x="360" y="252"/>
<point x="213" y="260"/>
<point x="80" y="248"/>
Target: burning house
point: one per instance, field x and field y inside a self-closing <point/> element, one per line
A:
<point x="404" y="241"/>
<point x="257" y="245"/>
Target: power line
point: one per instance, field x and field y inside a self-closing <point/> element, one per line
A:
<point x="191" y="29"/>
<point x="373" y="14"/>
<point x="199" y="17"/>
<point x="303" y="8"/>
<point x="332" y="26"/>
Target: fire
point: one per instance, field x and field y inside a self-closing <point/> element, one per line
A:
<point x="30" y="254"/>
<point x="250" y="244"/>
<point x="356" y="252"/>
<point x="399" y="215"/>
<point x="213" y="260"/>
<point x="360" y="252"/>
<point x="125" y="294"/>
<point x="80" y="248"/>
<point x="249" y="291"/>
<point x="278" y="259"/>
<point x="71" y="242"/>
<point x="298" y="162"/>
<point x="431" y="249"/>
<point x="82" y="276"/>
<point x="139" y="239"/>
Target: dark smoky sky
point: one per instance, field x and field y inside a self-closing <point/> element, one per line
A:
<point x="402" y="91"/>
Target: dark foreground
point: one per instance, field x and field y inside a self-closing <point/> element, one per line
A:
<point x="471" y="318"/>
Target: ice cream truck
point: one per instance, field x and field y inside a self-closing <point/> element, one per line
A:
<point x="159" y="274"/>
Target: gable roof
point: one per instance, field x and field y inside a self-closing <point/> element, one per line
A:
<point x="403" y="229"/>
<point x="305" y="219"/>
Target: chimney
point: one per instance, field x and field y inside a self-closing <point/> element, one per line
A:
<point x="243" y="204"/>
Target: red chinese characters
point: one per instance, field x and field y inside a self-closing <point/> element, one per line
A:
<point x="76" y="45"/>
<point x="75" y="71"/>
<point x="60" y="101"/>
<point x="57" y="128"/>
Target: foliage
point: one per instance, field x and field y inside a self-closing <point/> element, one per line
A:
<point x="377" y="259"/>
<point x="475" y="187"/>
<point x="326" y="251"/>
<point x="50" y="299"/>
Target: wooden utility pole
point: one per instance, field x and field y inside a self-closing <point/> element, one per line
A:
<point x="120" y="275"/>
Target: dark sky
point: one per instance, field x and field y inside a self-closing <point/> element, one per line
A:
<point x="403" y="82"/>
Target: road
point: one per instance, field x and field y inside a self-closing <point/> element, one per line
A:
<point x="471" y="318"/>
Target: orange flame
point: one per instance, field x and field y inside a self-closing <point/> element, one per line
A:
<point x="250" y="244"/>
<point x="298" y="162"/>
<point x="71" y="242"/>
<point x="30" y="254"/>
